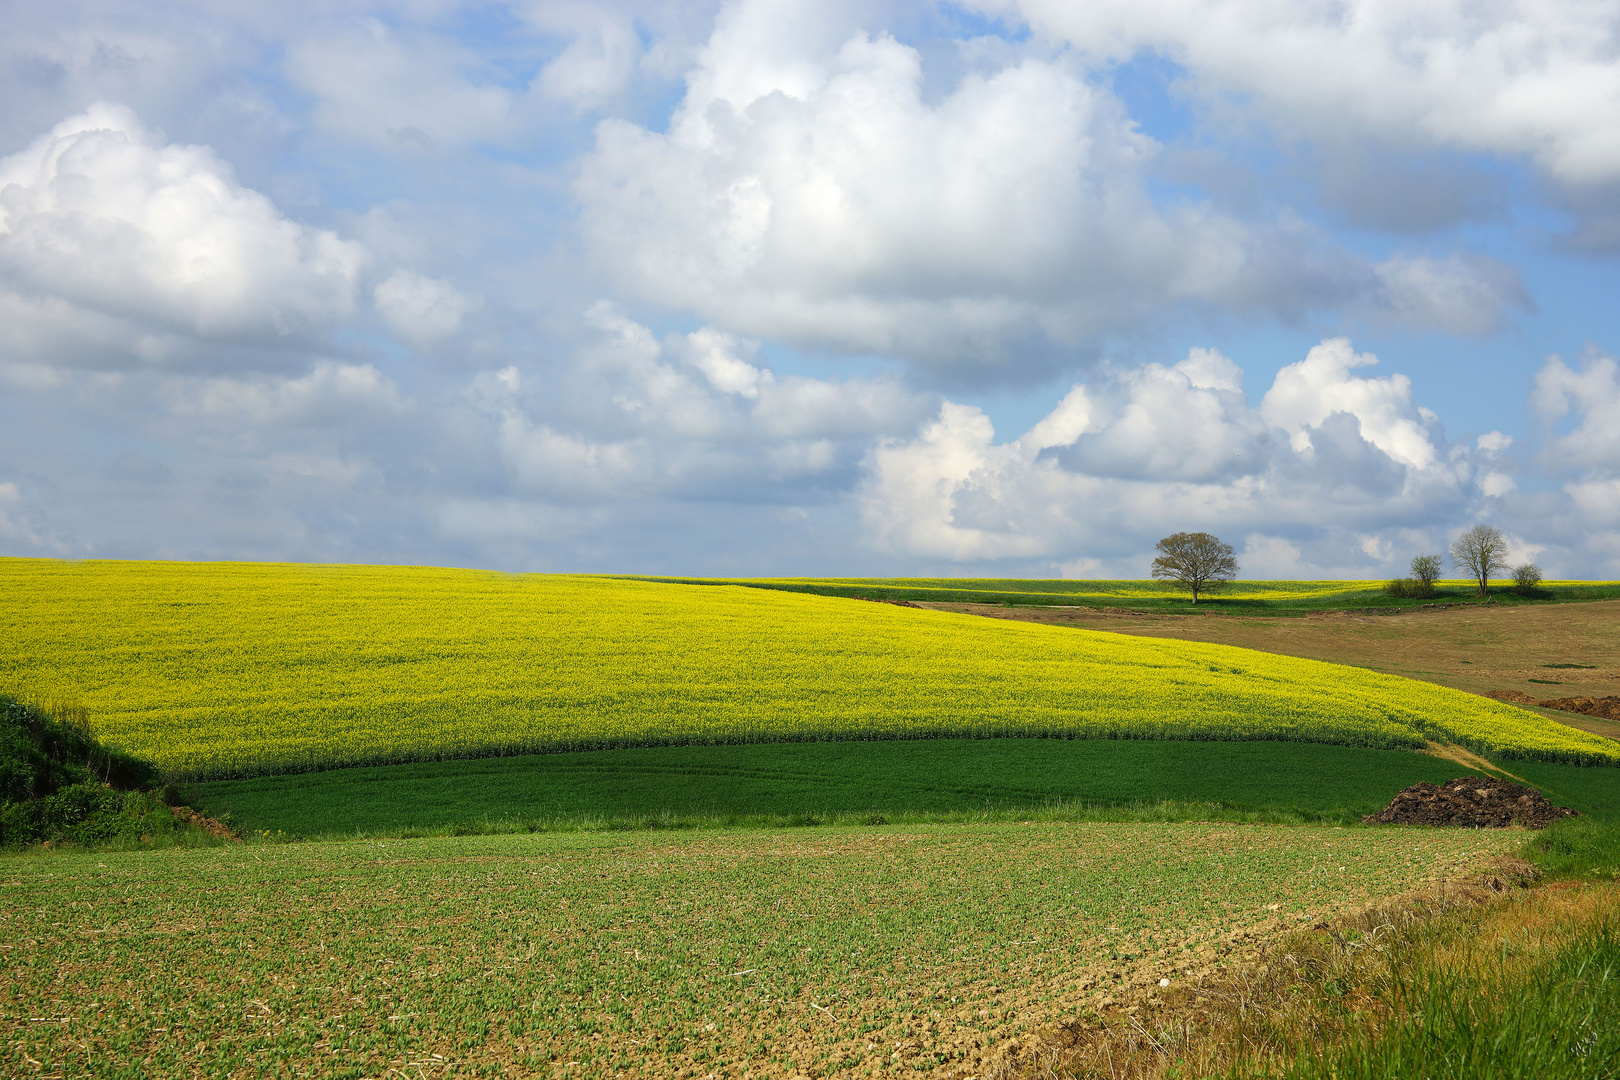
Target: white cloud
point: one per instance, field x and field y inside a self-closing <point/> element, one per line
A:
<point x="1460" y="294"/>
<point x="635" y="417"/>
<point x="1592" y="394"/>
<point x="1148" y="451"/>
<point x="807" y="189"/>
<point x="101" y="220"/>
<point x="597" y="64"/>
<point x="1309" y="391"/>
<point x="1537" y="78"/>
<point x="332" y="394"/>
<point x="1186" y="422"/>
<point x="1269" y="557"/>
<point x="420" y="309"/>
<point x="411" y="92"/>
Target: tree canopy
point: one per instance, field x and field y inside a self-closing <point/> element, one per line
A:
<point x="1480" y="552"/>
<point x="1195" y="561"/>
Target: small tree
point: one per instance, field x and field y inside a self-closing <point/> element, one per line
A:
<point x="1426" y="568"/>
<point x="1526" y="578"/>
<point x="1480" y="552"/>
<point x="1195" y="561"/>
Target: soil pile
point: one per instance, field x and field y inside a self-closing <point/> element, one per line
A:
<point x="882" y="600"/>
<point x="207" y="824"/>
<point x="1604" y="708"/>
<point x="1471" y="802"/>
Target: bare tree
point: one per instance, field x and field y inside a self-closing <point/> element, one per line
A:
<point x="1481" y="551"/>
<point x="1426" y="568"/>
<point x="1196" y="561"/>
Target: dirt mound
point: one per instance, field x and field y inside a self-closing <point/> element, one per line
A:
<point x="1605" y="708"/>
<point x="207" y="824"/>
<point x="883" y="600"/>
<point x="1471" y="802"/>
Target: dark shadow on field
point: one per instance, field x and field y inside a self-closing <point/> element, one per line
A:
<point x="933" y="776"/>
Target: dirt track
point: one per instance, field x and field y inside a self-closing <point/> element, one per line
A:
<point x="1475" y="648"/>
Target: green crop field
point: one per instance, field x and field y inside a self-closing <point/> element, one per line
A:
<point x="776" y="784"/>
<point x="227" y="669"/>
<point x="1240" y="597"/>
<point x="838" y="953"/>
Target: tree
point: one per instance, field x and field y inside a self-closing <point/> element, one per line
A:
<point x="1426" y="568"/>
<point x="1196" y="561"/>
<point x="1481" y="551"/>
<point x="1526" y="578"/>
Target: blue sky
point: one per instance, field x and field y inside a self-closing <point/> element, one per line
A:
<point x="1006" y="287"/>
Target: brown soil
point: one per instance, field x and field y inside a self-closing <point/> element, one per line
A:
<point x="1608" y="708"/>
<point x="1471" y="802"/>
<point x="1480" y="648"/>
<point x="207" y="824"/>
<point x="885" y="600"/>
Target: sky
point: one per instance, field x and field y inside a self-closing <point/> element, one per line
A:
<point x="769" y="287"/>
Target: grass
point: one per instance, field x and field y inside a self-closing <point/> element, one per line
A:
<point x="809" y="783"/>
<point x="846" y="953"/>
<point x="216" y="670"/>
<point x="1240" y="597"/>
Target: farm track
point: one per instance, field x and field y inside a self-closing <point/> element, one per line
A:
<point x="1560" y="651"/>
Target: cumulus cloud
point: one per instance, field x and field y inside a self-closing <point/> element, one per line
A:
<point x="1532" y="78"/>
<point x="1308" y="392"/>
<point x="1148" y="451"/>
<point x="807" y="189"/>
<point x="420" y="309"/>
<point x="1590" y="398"/>
<point x="598" y="62"/>
<point x="102" y="221"/>
<point x="692" y="415"/>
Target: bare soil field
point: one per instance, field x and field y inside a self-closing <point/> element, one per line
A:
<point x="1513" y="653"/>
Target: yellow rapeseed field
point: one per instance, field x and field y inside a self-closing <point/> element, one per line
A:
<point x="234" y="668"/>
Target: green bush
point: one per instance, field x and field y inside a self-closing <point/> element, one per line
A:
<point x="58" y="783"/>
<point x="1526" y="579"/>
<point x="1410" y="589"/>
<point x="39" y="755"/>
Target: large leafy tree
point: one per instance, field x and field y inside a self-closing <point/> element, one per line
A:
<point x="1195" y="561"/>
<point x="1480" y="552"/>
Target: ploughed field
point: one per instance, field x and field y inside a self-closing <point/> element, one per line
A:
<point x="234" y="669"/>
<point x="832" y="952"/>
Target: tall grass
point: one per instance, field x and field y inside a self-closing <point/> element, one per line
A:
<point x="1478" y="979"/>
<point x="1557" y="1019"/>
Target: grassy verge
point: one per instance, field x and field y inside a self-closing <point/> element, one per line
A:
<point x="1480" y="979"/>
<point x="839" y="953"/>
<point x="775" y="784"/>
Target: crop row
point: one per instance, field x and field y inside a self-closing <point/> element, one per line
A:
<point x="237" y="668"/>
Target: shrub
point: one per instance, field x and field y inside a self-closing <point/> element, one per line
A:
<point x="1410" y="589"/>
<point x="1526" y="578"/>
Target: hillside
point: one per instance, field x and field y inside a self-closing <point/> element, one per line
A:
<point x="240" y="668"/>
